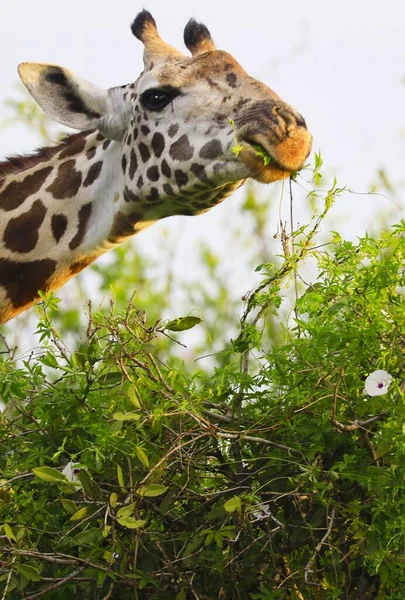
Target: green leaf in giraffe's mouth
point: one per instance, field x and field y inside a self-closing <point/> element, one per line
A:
<point x="260" y="151"/>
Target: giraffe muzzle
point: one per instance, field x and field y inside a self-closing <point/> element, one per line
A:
<point x="275" y="141"/>
<point x="271" y="161"/>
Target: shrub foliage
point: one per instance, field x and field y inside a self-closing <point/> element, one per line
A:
<point x="269" y="475"/>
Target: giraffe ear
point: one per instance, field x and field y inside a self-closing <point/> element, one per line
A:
<point x="64" y="97"/>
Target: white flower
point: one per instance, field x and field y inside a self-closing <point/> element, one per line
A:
<point x="377" y="383"/>
<point x="262" y="511"/>
<point x="71" y="472"/>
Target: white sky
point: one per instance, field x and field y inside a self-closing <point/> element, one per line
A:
<point x="341" y="64"/>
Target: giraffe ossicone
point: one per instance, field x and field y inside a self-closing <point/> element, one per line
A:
<point x="161" y="146"/>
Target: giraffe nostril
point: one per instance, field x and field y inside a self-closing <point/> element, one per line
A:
<point x="291" y="118"/>
<point x="300" y="121"/>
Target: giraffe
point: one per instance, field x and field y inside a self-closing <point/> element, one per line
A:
<point x="160" y="146"/>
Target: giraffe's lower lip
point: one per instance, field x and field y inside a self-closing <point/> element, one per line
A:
<point x="265" y="168"/>
<point x="264" y="156"/>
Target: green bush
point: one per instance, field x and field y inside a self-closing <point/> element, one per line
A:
<point x="270" y="475"/>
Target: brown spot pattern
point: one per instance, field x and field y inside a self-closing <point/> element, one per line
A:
<point x="58" y="225"/>
<point x="166" y="170"/>
<point x="212" y="83"/>
<point x="153" y="195"/>
<point x="181" y="177"/>
<point x="91" y="152"/>
<point x="158" y="144"/>
<point x="145" y="153"/>
<point x="168" y="190"/>
<point x="211" y="149"/>
<point x="23" y="280"/>
<point x="21" y="233"/>
<point x="181" y="149"/>
<point x="18" y="191"/>
<point x="93" y="173"/>
<point x="84" y="216"/>
<point x="68" y="181"/>
<point x="129" y="196"/>
<point x="173" y="129"/>
<point x="153" y="173"/>
<point x="133" y="164"/>
<point x="232" y="80"/>
<point x="199" y="172"/>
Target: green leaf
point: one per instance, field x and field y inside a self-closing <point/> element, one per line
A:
<point x="260" y="151"/>
<point x="9" y="532"/>
<point x="87" y="538"/>
<point x="233" y="504"/>
<point x="194" y="545"/>
<point x="310" y="302"/>
<point x="113" y="499"/>
<point x="89" y="485"/>
<point x="237" y="149"/>
<point x="113" y="378"/>
<point x="132" y="416"/>
<point x="183" y="323"/>
<point x="131" y="523"/>
<point x="133" y="397"/>
<point x="29" y="572"/>
<point x="152" y="490"/>
<point x="80" y="514"/>
<point x="142" y="456"/>
<point x="50" y="475"/>
<point x="182" y="594"/>
<point x="69" y="506"/>
<point x="127" y="510"/>
<point x="106" y="530"/>
<point x="120" y="477"/>
<point x="49" y="360"/>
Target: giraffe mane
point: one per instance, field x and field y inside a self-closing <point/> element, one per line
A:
<point x="17" y="163"/>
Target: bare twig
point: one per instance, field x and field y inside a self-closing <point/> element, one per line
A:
<point x="356" y="424"/>
<point x="10" y="573"/>
<point x="218" y="417"/>
<point x="308" y="569"/>
<point x="57" y="584"/>
<point x="257" y="440"/>
<point x="370" y="446"/>
<point x="109" y="593"/>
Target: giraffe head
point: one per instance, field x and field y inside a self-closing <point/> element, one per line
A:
<point x="192" y="128"/>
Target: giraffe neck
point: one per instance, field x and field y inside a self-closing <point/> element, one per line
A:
<point x="59" y="211"/>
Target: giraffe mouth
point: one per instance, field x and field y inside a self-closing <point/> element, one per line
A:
<point x="264" y="166"/>
<point x="263" y="154"/>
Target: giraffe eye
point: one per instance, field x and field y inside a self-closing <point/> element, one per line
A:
<point x="157" y="99"/>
